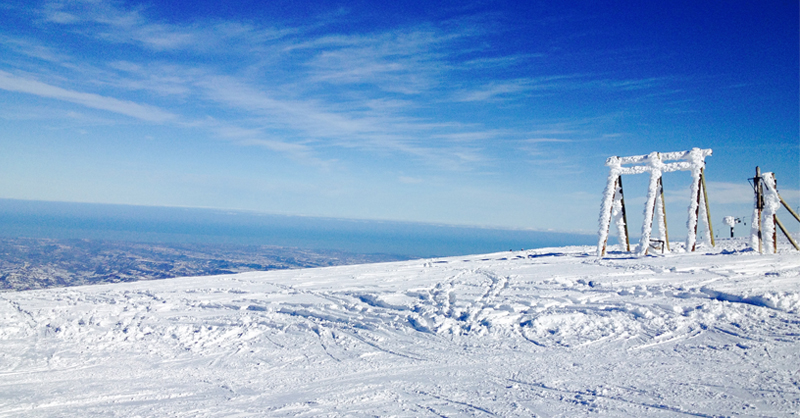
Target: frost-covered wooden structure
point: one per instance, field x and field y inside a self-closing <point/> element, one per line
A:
<point x="765" y="217"/>
<point x="655" y="163"/>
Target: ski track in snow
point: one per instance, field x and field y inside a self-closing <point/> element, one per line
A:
<point x="547" y="332"/>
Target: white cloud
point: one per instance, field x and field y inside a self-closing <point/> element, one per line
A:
<point x="302" y="92"/>
<point x="10" y="82"/>
<point x="512" y="89"/>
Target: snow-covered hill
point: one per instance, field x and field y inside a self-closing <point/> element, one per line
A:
<point x="549" y="332"/>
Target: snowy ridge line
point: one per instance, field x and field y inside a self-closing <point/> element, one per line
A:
<point x="436" y="337"/>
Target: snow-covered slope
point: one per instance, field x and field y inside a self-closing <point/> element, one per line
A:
<point x="549" y="332"/>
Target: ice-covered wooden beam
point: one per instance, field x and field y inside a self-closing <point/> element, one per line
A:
<point x="690" y="156"/>
<point x="656" y="164"/>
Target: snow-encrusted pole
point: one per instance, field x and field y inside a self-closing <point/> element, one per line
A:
<point x="771" y="204"/>
<point x="704" y="213"/>
<point x="619" y="217"/>
<point x="755" y="222"/>
<point x="607" y="206"/>
<point x="697" y="160"/>
<point x="656" y="165"/>
<point x="661" y="216"/>
<point x="768" y="201"/>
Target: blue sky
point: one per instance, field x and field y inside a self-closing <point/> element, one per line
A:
<point x="482" y="113"/>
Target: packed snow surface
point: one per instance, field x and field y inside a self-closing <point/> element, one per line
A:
<point x="548" y="332"/>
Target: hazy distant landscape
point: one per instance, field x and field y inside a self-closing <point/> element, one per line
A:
<point x="49" y="244"/>
<point x="35" y="263"/>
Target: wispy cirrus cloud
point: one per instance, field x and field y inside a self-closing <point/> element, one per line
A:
<point x="517" y="88"/>
<point x="105" y="20"/>
<point x="406" y="61"/>
<point x="148" y="113"/>
<point x="303" y="92"/>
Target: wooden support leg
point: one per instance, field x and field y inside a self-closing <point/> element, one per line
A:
<point x="774" y="235"/>
<point x="607" y="208"/>
<point x="759" y="205"/>
<point x="624" y="215"/>
<point x="789" y="208"/>
<point x="786" y="233"/>
<point x="697" y="211"/>
<point x="664" y="212"/>
<point x="708" y="210"/>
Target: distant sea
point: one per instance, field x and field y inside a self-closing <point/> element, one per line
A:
<point x="59" y="220"/>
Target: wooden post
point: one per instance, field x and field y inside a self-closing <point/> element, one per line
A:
<point x="664" y="212"/>
<point x="610" y="211"/>
<point x="786" y="205"/>
<point x="785" y="232"/>
<point x="759" y="203"/>
<point x="708" y="210"/>
<point x="624" y="215"/>
<point x="697" y="211"/>
<point x="774" y="219"/>
<point x="652" y="218"/>
<point x="774" y="235"/>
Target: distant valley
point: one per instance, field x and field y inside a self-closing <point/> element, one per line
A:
<point x="36" y="263"/>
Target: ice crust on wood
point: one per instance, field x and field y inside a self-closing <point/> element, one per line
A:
<point x="662" y="224"/>
<point x="771" y="205"/>
<point x="697" y="159"/>
<point x="754" y="223"/>
<point x="618" y="219"/>
<point x="655" y="167"/>
<point x="609" y="198"/>
<point x="653" y="163"/>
